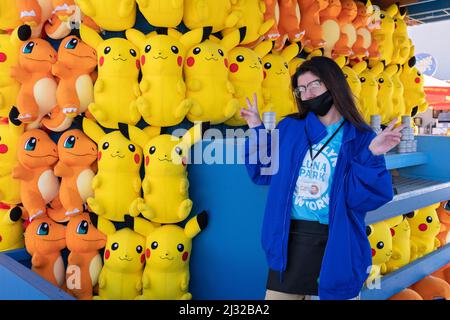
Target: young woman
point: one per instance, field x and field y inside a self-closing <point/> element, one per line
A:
<point x="331" y="172"/>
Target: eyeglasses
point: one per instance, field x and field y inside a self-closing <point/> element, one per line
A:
<point x="313" y="86"/>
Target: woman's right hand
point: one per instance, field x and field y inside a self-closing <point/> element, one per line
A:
<point x="251" y="115"/>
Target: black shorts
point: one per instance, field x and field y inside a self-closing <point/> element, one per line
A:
<point x="306" y="247"/>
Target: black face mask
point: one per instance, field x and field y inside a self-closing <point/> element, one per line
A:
<point x="320" y="105"/>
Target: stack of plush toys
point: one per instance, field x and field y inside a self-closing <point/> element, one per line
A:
<point x="401" y="240"/>
<point x="82" y="111"/>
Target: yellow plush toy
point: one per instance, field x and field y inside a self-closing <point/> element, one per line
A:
<point x="9" y="15"/>
<point x="124" y="258"/>
<point x="215" y="13"/>
<point x="251" y="16"/>
<point x="9" y="58"/>
<point x="413" y="82"/>
<point x="425" y="226"/>
<point x="117" y="86"/>
<point x="401" y="244"/>
<point x="10" y="132"/>
<point x="163" y="102"/>
<point x="386" y="93"/>
<point x="369" y="90"/>
<point x="111" y="15"/>
<point x="168" y="251"/>
<point x="162" y="13"/>
<point x="384" y="35"/>
<point x="401" y="40"/>
<point x="380" y="239"/>
<point x="117" y="185"/>
<point x="11" y="229"/>
<point x="277" y="88"/>
<point x="352" y="75"/>
<point x="246" y="75"/>
<point x="399" y="94"/>
<point x="207" y="80"/>
<point x="166" y="187"/>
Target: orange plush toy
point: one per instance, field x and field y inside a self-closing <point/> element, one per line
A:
<point x="443" y="273"/>
<point x="432" y="288"/>
<point x="37" y="155"/>
<point x="35" y="13"/>
<point x="289" y="24"/>
<point x="84" y="241"/>
<point x="75" y="70"/>
<point x="406" y="294"/>
<point x="348" y="31"/>
<point x="363" y="35"/>
<point x="77" y="155"/>
<point x="271" y="13"/>
<point x="44" y="240"/>
<point x="331" y="30"/>
<point x="310" y="22"/>
<point x="444" y="217"/>
<point x="37" y="95"/>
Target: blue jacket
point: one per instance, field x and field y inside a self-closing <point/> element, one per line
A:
<point x="361" y="183"/>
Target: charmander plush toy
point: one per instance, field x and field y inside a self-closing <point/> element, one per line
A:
<point x="163" y="102"/>
<point x="117" y="86"/>
<point x="37" y="95"/>
<point x="11" y="228"/>
<point x="432" y="288"/>
<point x="331" y="30"/>
<point x="363" y="34"/>
<point x="272" y="10"/>
<point x="35" y="13"/>
<point x="44" y="240"/>
<point x="37" y="155"/>
<point x="289" y="21"/>
<point x="10" y="132"/>
<point x="111" y="15"/>
<point x="162" y="13"/>
<point x="75" y="71"/>
<point x="77" y="155"/>
<point x="406" y="294"/>
<point x="207" y="79"/>
<point x="84" y="241"/>
<point x="215" y="13"/>
<point x="277" y="88"/>
<point x="124" y="259"/>
<point x="384" y="35"/>
<point x="168" y="251"/>
<point x="425" y="226"/>
<point x="311" y="22"/>
<point x="251" y="16"/>
<point x="380" y="239"/>
<point x="347" y="39"/>
<point x="246" y="75"/>
<point x="444" y="217"/>
<point x="166" y="186"/>
<point x="117" y="185"/>
<point x="369" y="90"/>
<point x="401" y="245"/>
<point x="9" y="16"/>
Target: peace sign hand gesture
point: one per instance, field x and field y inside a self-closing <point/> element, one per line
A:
<point x="386" y="140"/>
<point x="251" y="115"/>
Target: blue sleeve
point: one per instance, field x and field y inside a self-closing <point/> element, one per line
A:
<point x="368" y="183"/>
<point x="257" y="155"/>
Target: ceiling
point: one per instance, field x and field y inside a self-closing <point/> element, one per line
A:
<point x="421" y="11"/>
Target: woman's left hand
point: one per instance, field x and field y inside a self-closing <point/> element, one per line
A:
<point x="386" y="140"/>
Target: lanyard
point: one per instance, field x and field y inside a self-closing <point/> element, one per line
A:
<point x="325" y="145"/>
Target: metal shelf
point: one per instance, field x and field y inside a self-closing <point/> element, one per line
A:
<point x="408" y="275"/>
<point x="411" y="194"/>
<point x="404" y="160"/>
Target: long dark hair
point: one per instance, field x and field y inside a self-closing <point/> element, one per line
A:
<point x="334" y="79"/>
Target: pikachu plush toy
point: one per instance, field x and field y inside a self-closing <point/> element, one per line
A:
<point x="384" y="35"/>
<point x="369" y="90"/>
<point x="166" y="186"/>
<point x="11" y="228"/>
<point x="162" y="13"/>
<point x="425" y="226"/>
<point x="401" y="244"/>
<point x="163" y="102"/>
<point x="124" y="259"/>
<point x="111" y="15"/>
<point x="117" y="185"/>
<point x="385" y="97"/>
<point x="380" y="239"/>
<point x="277" y="88"/>
<point x="168" y="251"/>
<point x="117" y="86"/>
<point x="9" y="16"/>
<point x="247" y="75"/>
<point x="207" y="79"/>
